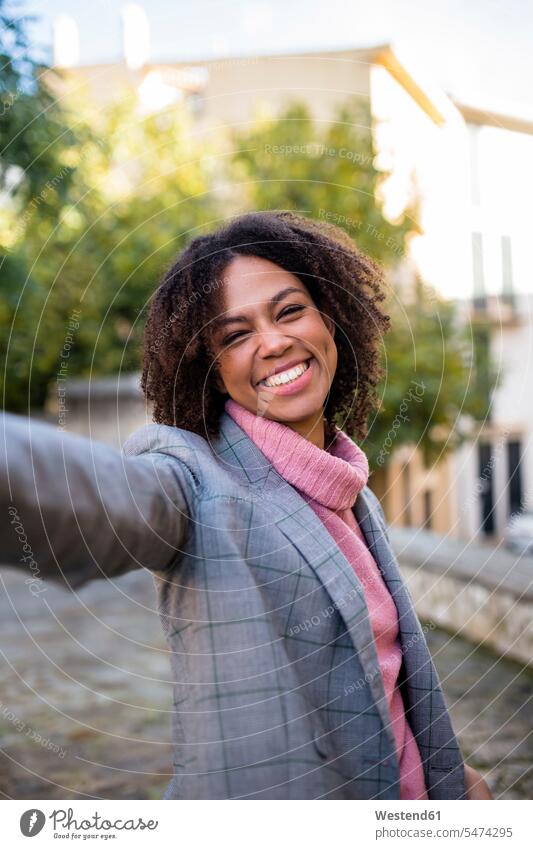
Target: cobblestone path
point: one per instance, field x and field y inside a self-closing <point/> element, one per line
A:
<point x="86" y="697"/>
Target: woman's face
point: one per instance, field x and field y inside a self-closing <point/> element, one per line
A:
<point x="275" y="352"/>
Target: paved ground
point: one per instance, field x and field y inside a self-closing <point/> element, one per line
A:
<point x="85" y="696"/>
<point x="490" y="699"/>
<point x="90" y="675"/>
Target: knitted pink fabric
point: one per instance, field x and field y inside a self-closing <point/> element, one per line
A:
<point x="329" y="480"/>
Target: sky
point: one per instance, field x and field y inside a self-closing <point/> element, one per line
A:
<point x="480" y="51"/>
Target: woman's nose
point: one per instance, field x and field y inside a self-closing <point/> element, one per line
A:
<point x="272" y="342"/>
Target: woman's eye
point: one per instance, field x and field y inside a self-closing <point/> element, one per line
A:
<point x="233" y="337"/>
<point x="287" y="311"/>
<point x="293" y="309"/>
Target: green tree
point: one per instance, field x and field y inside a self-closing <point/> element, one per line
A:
<point x="435" y="372"/>
<point x="436" y="378"/>
<point x="33" y="132"/>
<point x="35" y="179"/>
<point x="109" y="199"/>
<point x="149" y="193"/>
<point x="322" y="170"/>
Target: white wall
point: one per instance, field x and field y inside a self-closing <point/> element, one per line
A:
<point x="429" y="161"/>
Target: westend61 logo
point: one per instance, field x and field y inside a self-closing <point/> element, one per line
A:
<point x="65" y="824"/>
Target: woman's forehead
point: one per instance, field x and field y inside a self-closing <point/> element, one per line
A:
<point x="251" y="279"/>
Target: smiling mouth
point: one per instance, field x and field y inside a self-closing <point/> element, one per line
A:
<point x="283" y="378"/>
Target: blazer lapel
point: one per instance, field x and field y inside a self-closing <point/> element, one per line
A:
<point x="304" y="530"/>
<point x="410" y="630"/>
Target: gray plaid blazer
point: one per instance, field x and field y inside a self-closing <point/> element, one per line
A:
<point x="278" y="691"/>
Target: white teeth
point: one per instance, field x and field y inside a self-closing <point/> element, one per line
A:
<point x="286" y="376"/>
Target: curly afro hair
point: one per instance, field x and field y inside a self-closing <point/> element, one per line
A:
<point x="345" y="284"/>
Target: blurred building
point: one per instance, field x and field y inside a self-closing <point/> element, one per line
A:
<point x="496" y="467"/>
<point x="472" y="173"/>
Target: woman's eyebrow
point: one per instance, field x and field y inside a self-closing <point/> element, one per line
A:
<point x="222" y="322"/>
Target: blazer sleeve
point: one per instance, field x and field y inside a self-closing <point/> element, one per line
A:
<point x="73" y="509"/>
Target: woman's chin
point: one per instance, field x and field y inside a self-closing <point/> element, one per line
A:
<point x="285" y="408"/>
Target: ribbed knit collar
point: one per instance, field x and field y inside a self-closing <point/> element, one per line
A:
<point x="332" y="478"/>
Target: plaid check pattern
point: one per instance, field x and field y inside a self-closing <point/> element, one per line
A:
<point x="278" y="687"/>
<point x="278" y="691"/>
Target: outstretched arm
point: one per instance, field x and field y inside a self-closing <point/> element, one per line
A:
<point x="73" y="510"/>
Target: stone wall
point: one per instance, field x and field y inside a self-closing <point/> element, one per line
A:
<point x="107" y="408"/>
<point x="483" y="593"/>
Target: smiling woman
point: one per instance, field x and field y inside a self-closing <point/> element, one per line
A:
<point x="300" y="668"/>
<point x="266" y="293"/>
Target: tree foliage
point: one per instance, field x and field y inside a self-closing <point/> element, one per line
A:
<point x="325" y="171"/>
<point x="33" y="133"/>
<point x="96" y="204"/>
<point x="432" y="387"/>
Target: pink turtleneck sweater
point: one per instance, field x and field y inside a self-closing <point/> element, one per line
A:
<point x="329" y="480"/>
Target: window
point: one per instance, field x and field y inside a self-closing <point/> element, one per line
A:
<point x="485" y="487"/>
<point x="514" y="474"/>
<point x="507" y="271"/>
